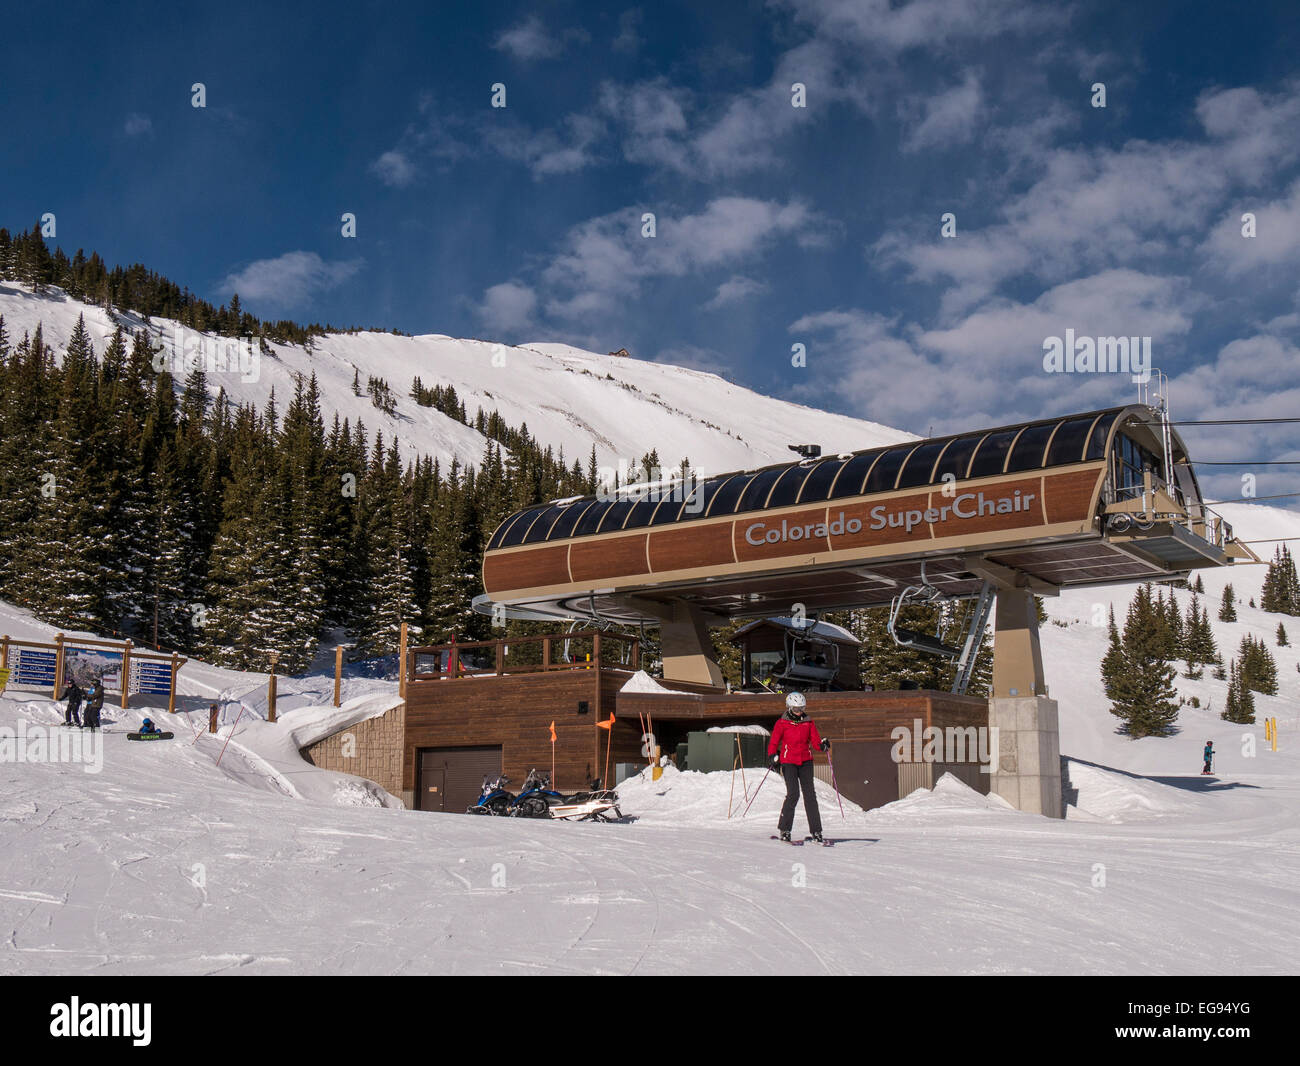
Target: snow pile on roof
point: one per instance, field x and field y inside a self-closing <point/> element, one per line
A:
<point x="643" y="682"/>
<point x="306" y="725"/>
<point x="1115" y="796"/>
<point x="755" y="729"/>
<point x="949" y="797"/>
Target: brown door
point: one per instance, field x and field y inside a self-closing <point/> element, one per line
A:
<point x="451" y="778"/>
<point x="866" y="772"/>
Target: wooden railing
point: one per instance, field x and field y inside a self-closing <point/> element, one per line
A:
<point x="534" y="654"/>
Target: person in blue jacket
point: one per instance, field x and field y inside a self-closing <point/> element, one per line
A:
<point x="147" y="727"/>
<point x="1208" y="754"/>
<point x="94" y="704"/>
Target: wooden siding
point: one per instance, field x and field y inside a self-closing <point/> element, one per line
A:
<point x="515" y="711"/>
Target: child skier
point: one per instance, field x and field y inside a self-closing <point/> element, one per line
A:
<point x="793" y="739"/>
<point x="147" y="727"/>
<point x="1208" y="754"/>
<point x="94" y="702"/>
<point x="73" y="695"/>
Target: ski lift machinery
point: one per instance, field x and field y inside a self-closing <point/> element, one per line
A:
<point x="964" y="653"/>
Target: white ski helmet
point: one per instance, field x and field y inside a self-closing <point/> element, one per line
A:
<point x="795" y="705"/>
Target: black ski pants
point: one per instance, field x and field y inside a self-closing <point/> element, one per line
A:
<point x="70" y="716"/>
<point x="796" y="778"/>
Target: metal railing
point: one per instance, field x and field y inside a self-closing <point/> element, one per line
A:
<point x="588" y="649"/>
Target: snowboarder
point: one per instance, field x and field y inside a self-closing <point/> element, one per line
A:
<point x="790" y="748"/>
<point x="147" y="727"/>
<point x="1209" y="756"/>
<point x="74" y="696"/>
<point x="94" y="702"/>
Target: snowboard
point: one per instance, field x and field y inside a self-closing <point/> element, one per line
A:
<point x="150" y="736"/>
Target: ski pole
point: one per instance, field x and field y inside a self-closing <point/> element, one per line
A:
<point x="757" y="791"/>
<point x="835" y="786"/>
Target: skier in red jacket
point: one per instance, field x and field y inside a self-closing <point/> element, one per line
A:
<point x="791" y="747"/>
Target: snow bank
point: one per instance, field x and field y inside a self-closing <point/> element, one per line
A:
<point x="949" y="798"/>
<point x="1114" y="796"/>
<point x="757" y="730"/>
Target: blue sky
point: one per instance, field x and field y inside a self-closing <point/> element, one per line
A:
<point x="775" y="225"/>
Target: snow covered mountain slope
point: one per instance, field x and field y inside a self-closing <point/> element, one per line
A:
<point x="569" y="398"/>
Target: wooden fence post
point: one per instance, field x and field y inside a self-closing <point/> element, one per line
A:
<point x="213" y="715"/>
<point x="338" y="672"/>
<point x="4" y="651"/>
<point x="270" y="689"/>
<point x="58" y="665"/>
<point x="171" y="697"/>
<point x="401" y="665"/>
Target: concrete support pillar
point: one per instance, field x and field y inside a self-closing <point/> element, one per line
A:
<point x="1029" y="754"/>
<point x="687" y="647"/>
<point x="1017" y="657"/>
<point x="1028" y="725"/>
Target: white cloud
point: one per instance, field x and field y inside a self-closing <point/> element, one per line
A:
<point x="950" y="119"/>
<point x="289" y="279"/>
<point x="988" y="367"/>
<point x="508" y="307"/>
<point x="734" y="290"/>
<point x="393" y="168"/>
<point x="562" y="151"/>
<point x="531" y="40"/>
<point x="606" y="258"/>
<point x="1276" y="241"/>
<point x="628" y="40"/>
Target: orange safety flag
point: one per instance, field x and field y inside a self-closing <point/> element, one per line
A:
<point x="552" y="732"/>
<point x="608" y="723"/>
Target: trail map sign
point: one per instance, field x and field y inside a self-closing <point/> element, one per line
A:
<point x="86" y="664"/>
<point x="33" y="668"/>
<point x="153" y="677"/>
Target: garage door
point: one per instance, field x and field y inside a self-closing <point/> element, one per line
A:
<point x="451" y="778"/>
<point x="866" y="772"/>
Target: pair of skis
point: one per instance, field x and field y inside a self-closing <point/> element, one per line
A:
<point x="806" y="840"/>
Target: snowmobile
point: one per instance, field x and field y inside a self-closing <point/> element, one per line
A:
<point x="536" y="798"/>
<point x="494" y="798"/>
<point x="539" y="800"/>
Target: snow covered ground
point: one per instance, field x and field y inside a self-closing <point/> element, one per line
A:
<point x="165" y="862"/>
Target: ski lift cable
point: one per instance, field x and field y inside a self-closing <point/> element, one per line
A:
<point x="1227" y="422"/>
<point x="1252" y="499"/>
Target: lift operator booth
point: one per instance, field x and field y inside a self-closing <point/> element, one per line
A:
<point x="996" y="516"/>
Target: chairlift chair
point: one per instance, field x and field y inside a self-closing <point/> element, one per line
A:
<point x="966" y="651"/>
<point x="809" y="660"/>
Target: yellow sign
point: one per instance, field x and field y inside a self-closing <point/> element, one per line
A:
<point x="4" y="678"/>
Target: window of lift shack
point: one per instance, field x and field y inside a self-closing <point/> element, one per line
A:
<point x="1128" y="461"/>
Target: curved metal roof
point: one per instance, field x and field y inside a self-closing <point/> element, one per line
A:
<point x="1026" y="446"/>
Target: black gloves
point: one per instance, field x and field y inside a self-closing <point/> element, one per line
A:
<point x="826" y="745"/>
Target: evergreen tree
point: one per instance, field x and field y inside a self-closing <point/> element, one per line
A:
<point x="1282" y="641"/>
<point x="1142" y="693"/>
<point x="1228" y="611"/>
